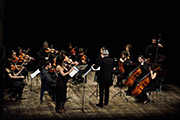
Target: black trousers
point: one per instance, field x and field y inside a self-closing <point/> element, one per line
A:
<point x="143" y="96"/>
<point x="104" y="88"/>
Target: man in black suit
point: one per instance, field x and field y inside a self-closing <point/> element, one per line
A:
<point x="105" y="76"/>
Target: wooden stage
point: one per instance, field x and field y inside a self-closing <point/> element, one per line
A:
<point x="166" y="107"/>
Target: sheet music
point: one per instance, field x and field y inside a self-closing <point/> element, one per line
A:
<point x="74" y="71"/>
<point x="98" y="69"/>
<point x="35" y="73"/>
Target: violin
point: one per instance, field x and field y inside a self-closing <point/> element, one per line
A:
<point x="51" y="50"/>
<point x="133" y="75"/>
<point x="72" y="51"/>
<point x="15" y="59"/>
<point x="14" y="67"/>
<point x="143" y="83"/>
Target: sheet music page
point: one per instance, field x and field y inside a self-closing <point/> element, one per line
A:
<point x="35" y="73"/>
<point x="98" y="69"/>
<point x="75" y="70"/>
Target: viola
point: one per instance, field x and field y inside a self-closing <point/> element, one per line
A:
<point x="143" y="83"/>
<point x="133" y="75"/>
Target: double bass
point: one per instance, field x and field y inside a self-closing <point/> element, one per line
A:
<point x="142" y="84"/>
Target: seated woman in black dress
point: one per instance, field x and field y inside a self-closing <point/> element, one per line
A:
<point x="62" y="80"/>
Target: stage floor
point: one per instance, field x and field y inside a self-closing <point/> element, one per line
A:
<point x="166" y="107"/>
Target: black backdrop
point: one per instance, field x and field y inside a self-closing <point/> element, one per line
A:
<point x="28" y="24"/>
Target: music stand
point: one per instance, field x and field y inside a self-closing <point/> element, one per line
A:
<point x="121" y="92"/>
<point x="84" y="86"/>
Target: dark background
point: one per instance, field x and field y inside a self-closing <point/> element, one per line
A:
<point x="28" y="24"/>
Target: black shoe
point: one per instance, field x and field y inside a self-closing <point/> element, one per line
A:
<point x="105" y="103"/>
<point x="146" y="101"/>
<point x="128" y="94"/>
<point x="99" y="105"/>
<point x="21" y="98"/>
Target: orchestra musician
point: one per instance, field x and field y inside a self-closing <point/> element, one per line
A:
<point x="151" y="51"/>
<point x="153" y="84"/>
<point x="123" y="65"/>
<point x="42" y="54"/>
<point x="50" y="83"/>
<point x="72" y="52"/>
<point x="128" y="49"/>
<point x="82" y="60"/>
<point x="144" y="70"/>
<point x="61" y="88"/>
<point x="14" y="81"/>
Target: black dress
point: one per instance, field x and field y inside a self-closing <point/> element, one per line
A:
<point x="61" y="90"/>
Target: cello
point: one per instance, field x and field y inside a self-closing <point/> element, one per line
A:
<point x="142" y="84"/>
<point x="132" y="76"/>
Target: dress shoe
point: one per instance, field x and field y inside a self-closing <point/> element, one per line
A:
<point x="105" y="103"/>
<point x="99" y="105"/>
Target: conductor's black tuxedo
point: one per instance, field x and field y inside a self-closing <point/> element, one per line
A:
<point x="105" y="77"/>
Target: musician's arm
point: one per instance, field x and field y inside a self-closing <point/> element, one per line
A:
<point x="153" y="75"/>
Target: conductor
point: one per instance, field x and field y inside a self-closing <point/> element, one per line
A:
<point x="105" y="76"/>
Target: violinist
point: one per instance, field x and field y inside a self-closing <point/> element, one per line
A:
<point x="14" y="81"/>
<point x="82" y="59"/>
<point x="42" y="54"/>
<point x="154" y="83"/>
<point x="144" y="70"/>
<point x="123" y="64"/>
<point x="72" y="52"/>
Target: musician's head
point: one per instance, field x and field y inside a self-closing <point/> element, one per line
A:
<point x="101" y="50"/>
<point x="105" y="53"/>
<point x="81" y="51"/>
<point x="140" y="58"/>
<point x="63" y="53"/>
<point x="13" y="54"/>
<point x="60" y="59"/>
<point x="128" y="47"/>
<point x="47" y="65"/>
<point x="45" y="44"/>
<point x="124" y="54"/>
<point x="154" y="40"/>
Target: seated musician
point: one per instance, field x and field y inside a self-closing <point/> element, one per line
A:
<point x="144" y="71"/>
<point x="72" y="52"/>
<point x="123" y="65"/>
<point x="14" y="81"/>
<point x="154" y="75"/>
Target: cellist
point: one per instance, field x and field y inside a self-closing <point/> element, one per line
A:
<point x="153" y="84"/>
<point x="144" y="70"/>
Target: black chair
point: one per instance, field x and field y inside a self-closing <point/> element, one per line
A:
<point x="158" y="90"/>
